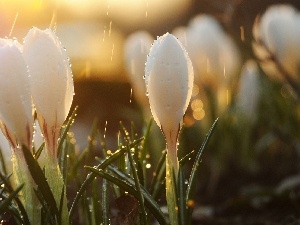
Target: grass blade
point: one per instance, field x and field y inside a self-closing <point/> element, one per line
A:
<point x="91" y="176"/>
<point x="96" y="207"/>
<point x="65" y="131"/>
<point x="181" y="197"/>
<point x="193" y="177"/>
<point x="17" y="200"/>
<point x="105" y="201"/>
<point x="39" y="151"/>
<point x="159" y="167"/>
<point x="6" y="202"/>
<point x="149" y="201"/>
<point x="140" y="197"/>
<point x="186" y="158"/>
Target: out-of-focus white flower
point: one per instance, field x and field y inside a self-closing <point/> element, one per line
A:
<point x="51" y="82"/>
<point x="213" y="53"/>
<point x="249" y="91"/>
<point x="180" y="33"/>
<point x="278" y="30"/>
<point x="169" y="79"/>
<point x="15" y="104"/>
<point x="137" y="47"/>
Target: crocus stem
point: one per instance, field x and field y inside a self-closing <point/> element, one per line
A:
<point x="171" y="177"/>
<point x="171" y="137"/>
<point x="28" y="197"/>
<point x="56" y="183"/>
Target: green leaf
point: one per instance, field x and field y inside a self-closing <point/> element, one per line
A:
<point x="95" y="203"/>
<point x="150" y="203"/>
<point x="186" y="158"/>
<point x="17" y="200"/>
<point x="39" y="151"/>
<point x="160" y="166"/>
<point x="7" y="201"/>
<point x="181" y="197"/>
<point x="91" y="176"/>
<point x="65" y="131"/>
<point x="190" y="192"/>
<point x="40" y="179"/>
<point x="105" y="202"/>
<point x="140" y="197"/>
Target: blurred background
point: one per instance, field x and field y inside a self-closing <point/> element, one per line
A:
<point x="243" y="156"/>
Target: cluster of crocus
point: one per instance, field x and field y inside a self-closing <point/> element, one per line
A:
<point x="169" y="80"/>
<point x="214" y="55"/>
<point x="277" y="37"/>
<point x="35" y="76"/>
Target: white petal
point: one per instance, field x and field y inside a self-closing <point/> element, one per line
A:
<point x="15" y="101"/>
<point x="50" y="76"/>
<point x="169" y="79"/>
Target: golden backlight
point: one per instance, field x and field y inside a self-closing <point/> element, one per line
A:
<point x="93" y="31"/>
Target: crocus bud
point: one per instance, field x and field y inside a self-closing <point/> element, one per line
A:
<point x="51" y="82"/>
<point x="277" y="35"/>
<point x="16" y="120"/>
<point x="216" y="61"/>
<point x="137" y="47"/>
<point x="15" y="103"/>
<point x="169" y="78"/>
<point x="249" y="91"/>
<point x="52" y="91"/>
<point x="213" y="53"/>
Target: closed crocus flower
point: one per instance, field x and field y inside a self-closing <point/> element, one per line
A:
<point x="51" y="82"/>
<point x="249" y="91"/>
<point x="213" y="53"/>
<point x="137" y="47"/>
<point x="52" y="91"/>
<point x="277" y="35"/>
<point x="169" y="78"/>
<point x="15" y="103"/>
<point x="216" y="61"/>
<point x="16" y="120"/>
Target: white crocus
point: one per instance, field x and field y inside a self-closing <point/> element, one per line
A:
<point x="249" y="91"/>
<point x="15" y="103"/>
<point x="16" y="120"/>
<point x="52" y="91"/>
<point x="216" y="62"/>
<point x="137" y="47"/>
<point x="277" y="32"/>
<point x="213" y="53"/>
<point x="51" y="82"/>
<point x="169" y="79"/>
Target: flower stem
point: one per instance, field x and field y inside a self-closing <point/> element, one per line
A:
<point x="28" y="197"/>
<point x="171" y="194"/>
<point x="56" y="183"/>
